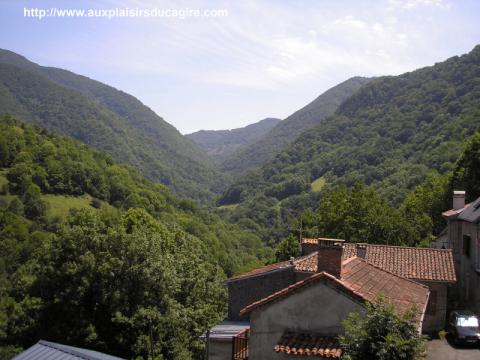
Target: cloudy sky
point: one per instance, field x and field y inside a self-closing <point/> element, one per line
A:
<point x="265" y="59"/>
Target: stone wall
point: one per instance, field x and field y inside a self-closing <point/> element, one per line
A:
<point x="435" y="315"/>
<point x="243" y="292"/>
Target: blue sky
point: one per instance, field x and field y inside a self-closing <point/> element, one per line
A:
<point x="265" y="59"/>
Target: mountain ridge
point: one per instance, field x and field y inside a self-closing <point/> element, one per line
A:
<point x="136" y="135"/>
<point x="276" y="140"/>
<point x="219" y="144"/>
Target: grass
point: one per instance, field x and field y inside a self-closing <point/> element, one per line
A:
<point x="60" y="205"/>
<point x="318" y="184"/>
<point x="228" y="207"/>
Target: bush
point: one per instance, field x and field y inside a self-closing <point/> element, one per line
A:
<point x="382" y="334"/>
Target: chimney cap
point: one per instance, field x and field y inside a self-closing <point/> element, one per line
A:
<point x="459" y="192"/>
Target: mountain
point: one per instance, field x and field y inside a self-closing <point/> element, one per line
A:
<point x="108" y="119"/>
<point x="390" y="134"/>
<point x="275" y="141"/>
<point x="219" y="144"/>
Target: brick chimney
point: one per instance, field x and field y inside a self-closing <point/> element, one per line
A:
<point x="458" y="199"/>
<point x="330" y="253"/>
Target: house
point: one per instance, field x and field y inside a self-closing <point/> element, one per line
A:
<point x="45" y="350"/>
<point x="297" y="307"/>
<point x="462" y="237"/>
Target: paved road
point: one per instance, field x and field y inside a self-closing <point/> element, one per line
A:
<point x="442" y="350"/>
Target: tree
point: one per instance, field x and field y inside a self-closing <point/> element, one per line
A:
<point x="33" y="203"/>
<point x="287" y="248"/>
<point x="381" y="334"/>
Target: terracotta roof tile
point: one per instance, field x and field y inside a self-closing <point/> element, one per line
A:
<point x="306" y="263"/>
<point x="369" y="281"/>
<point x="305" y="344"/>
<point x="409" y="262"/>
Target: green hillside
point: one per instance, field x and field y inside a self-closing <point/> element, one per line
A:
<point x="389" y="135"/>
<point x="90" y="249"/>
<point x="219" y="144"/>
<point x="276" y="140"/>
<point x="108" y="119"/>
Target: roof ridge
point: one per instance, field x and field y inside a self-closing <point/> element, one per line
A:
<point x="315" y="277"/>
<point x="401" y="247"/>
<point x="63" y="348"/>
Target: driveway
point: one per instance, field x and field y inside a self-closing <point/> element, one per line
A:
<point x="442" y="350"/>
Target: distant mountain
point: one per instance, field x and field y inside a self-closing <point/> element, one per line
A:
<point x="219" y="144"/>
<point x="275" y="141"/>
<point x="108" y="119"/>
<point x="390" y="135"/>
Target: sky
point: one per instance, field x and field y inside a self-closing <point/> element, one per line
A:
<point x="260" y="59"/>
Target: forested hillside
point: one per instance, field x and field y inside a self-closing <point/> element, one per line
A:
<point x="390" y="135"/>
<point x="95" y="255"/>
<point x="219" y="144"/>
<point x="108" y="119"/>
<point x="266" y="147"/>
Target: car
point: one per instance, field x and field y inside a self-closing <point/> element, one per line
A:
<point x="463" y="325"/>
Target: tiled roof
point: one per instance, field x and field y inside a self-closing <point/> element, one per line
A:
<point x="369" y="281"/>
<point x="318" y="277"/>
<point x="45" y="350"/>
<point x="306" y="263"/>
<point x="409" y="262"/>
<point x="364" y="282"/>
<point x="262" y="270"/>
<point x="308" y="345"/>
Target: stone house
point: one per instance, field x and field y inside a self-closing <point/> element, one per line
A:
<point x="297" y="307"/>
<point x="462" y="237"/>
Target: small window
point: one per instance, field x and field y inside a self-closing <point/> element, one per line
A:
<point x="466" y="245"/>
<point x="432" y="303"/>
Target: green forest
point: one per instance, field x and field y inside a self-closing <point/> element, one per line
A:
<point x="131" y="260"/>
<point x="391" y="135"/>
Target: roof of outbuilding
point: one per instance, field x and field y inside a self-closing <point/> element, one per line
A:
<point x="424" y="264"/>
<point x="45" y="350"/>
<point x="305" y="344"/>
<point x="364" y="282"/>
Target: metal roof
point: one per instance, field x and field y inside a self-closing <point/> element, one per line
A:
<point x="228" y="329"/>
<point x="45" y="350"/>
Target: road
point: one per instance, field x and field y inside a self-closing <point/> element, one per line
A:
<point x="442" y="350"/>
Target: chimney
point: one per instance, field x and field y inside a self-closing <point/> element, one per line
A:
<point x="458" y="199"/>
<point x="361" y="250"/>
<point x="330" y="253"/>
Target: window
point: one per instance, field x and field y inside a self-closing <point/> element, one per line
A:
<point x="432" y="303"/>
<point x="466" y="245"/>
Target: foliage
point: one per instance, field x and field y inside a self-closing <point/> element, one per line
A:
<point x="266" y="147"/>
<point x="105" y="276"/>
<point x="107" y="119"/>
<point x="467" y="170"/>
<point x="381" y="334"/>
<point x="287" y="248"/>
<point x="392" y="134"/>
